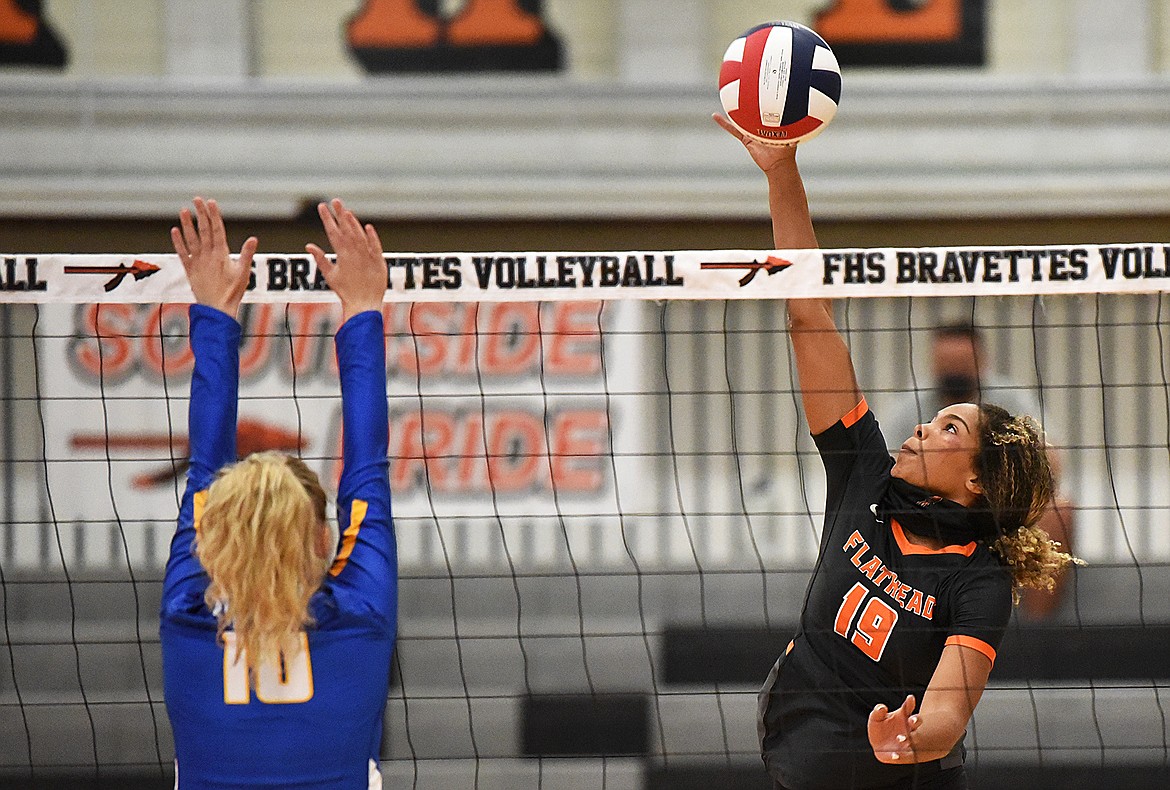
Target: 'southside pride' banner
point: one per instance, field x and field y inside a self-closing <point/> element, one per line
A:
<point x="567" y="276"/>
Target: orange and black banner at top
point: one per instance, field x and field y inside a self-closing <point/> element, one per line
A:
<point x="25" y="38"/>
<point x="394" y="36"/>
<point x="905" y="32"/>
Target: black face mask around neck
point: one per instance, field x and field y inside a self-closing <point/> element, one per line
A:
<point x="931" y="516"/>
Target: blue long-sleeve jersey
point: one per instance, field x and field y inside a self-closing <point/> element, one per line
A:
<point x="315" y="721"/>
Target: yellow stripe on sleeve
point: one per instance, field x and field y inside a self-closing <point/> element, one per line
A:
<point x="198" y="502"/>
<point x="357" y="514"/>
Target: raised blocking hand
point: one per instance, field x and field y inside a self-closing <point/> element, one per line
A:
<point x="358" y="277"/>
<point x="217" y="279"/>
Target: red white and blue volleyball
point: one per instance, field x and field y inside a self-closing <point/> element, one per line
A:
<point x="780" y="83"/>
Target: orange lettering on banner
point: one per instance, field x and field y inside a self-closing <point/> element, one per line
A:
<point x="437" y="431"/>
<point x="428" y="328"/>
<point x="257" y="339"/>
<point x="308" y="325"/>
<point x="408" y="456"/>
<point x="160" y="356"/>
<point x="515" y="451"/>
<point x="105" y="348"/>
<point x="509" y="339"/>
<point x="874" y="21"/>
<point x="393" y="23"/>
<point x="449" y="453"/>
<point x="511" y="343"/>
<point x="17" y="26"/>
<point x="575" y="345"/>
<point x="461" y="340"/>
<point x="469" y="332"/>
<point x="494" y="22"/>
<point x="473" y="456"/>
<point x="577" y="444"/>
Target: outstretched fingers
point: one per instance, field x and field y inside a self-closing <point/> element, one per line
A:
<point x="247" y="251"/>
<point x="200" y="240"/>
<point x="346" y="218"/>
<point x="184" y="237"/>
<point x="324" y="265"/>
<point x="357" y="274"/>
<point x="373" y="241"/>
<point x="180" y="246"/>
<point x="328" y="221"/>
<point x="730" y="128"/>
<point x="217" y="232"/>
<point x="767" y="156"/>
<point x="340" y="225"/>
<point x="203" y="230"/>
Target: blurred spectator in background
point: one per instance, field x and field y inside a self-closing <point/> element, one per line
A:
<point x="961" y="373"/>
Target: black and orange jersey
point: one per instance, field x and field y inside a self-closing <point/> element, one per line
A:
<point x="878" y="612"/>
<point x="313" y="719"/>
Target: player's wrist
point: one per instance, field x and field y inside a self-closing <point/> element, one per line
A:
<point x="217" y="312"/>
<point x="351" y="310"/>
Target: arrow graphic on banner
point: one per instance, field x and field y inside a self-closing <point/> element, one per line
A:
<point x="251" y="436"/>
<point x="771" y="265"/>
<point x="140" y="270"/>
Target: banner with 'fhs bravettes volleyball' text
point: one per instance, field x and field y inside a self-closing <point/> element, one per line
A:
<point x="568" y="276"/>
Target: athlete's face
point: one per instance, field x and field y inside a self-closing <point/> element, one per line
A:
<point x="940" y="456"/>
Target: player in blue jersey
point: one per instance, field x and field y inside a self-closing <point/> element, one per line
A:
<point x="277" y="643"/>
<point x="919" y="559"/>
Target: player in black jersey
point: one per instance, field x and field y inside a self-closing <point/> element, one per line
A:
<point x="920" y="557"/>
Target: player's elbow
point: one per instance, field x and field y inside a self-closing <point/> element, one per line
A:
<point x="809" y="315"/>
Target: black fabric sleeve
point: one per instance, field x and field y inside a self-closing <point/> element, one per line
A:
<point x="981" y="609"/>
<point x="853" y="452"/>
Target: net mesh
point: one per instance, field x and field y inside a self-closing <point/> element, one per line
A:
<point x="607" y="513"/>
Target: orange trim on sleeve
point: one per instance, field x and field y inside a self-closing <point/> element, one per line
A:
<point x="906" y="547"/>
<point x="859" y="411"/>
<point x="975" y="644"/>
<point x="357" y="514"/>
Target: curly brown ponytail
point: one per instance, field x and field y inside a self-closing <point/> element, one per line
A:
<point x="1014" y="471"/>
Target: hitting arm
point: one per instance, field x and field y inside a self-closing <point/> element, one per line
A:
<point x="827" y="382"/>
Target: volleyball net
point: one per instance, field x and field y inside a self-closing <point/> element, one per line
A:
<point x="606" y="500"/>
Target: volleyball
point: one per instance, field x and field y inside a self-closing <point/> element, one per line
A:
<point x="780" y="83"/>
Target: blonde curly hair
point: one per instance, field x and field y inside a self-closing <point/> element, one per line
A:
<point x="257" y="541"/>
<point x="1014" y="471"/>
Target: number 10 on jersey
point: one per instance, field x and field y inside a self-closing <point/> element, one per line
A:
<point x="869" y="631"/>
<point x="286" y="680"/>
